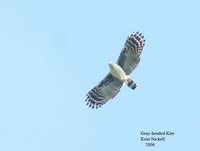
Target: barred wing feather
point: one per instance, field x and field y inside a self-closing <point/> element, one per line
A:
<point x="130" y="54"/>
<point x="105" y="90"/>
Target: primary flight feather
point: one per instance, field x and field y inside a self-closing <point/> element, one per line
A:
<point x="119" y="72"/>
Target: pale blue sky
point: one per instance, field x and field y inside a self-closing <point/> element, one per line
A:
<point x="53" y="52"/>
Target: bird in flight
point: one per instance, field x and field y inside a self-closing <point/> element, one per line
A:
<point x="119" y="72"/>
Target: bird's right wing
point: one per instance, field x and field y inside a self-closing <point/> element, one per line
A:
<point x="130" y="54"/>
<point x="105" y="90"/>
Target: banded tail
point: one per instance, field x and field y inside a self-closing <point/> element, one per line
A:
<point x="131" y="84"/>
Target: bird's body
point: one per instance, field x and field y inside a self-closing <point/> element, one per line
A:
<point x="119" y="72"/>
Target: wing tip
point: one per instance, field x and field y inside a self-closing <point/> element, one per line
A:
<point x="91" y="102"/>
<point x="137" y="37"/>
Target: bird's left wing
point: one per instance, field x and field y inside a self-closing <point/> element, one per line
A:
<point x="130" y="54"/>
<point x="105" y="90"/>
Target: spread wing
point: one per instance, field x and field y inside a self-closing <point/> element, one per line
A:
<point x="130" y="54"/>
<point x="105" y="90"/>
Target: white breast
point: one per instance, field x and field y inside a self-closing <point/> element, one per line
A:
<point x="117" y="71"/>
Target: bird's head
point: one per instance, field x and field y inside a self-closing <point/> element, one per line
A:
<point x="110" y="64"/>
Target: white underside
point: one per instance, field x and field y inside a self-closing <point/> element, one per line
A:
<point x="118" y="72"/>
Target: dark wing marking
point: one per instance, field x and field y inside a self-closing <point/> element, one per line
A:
<point x="105" y="90"/>
<point x="130" y="54"/>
